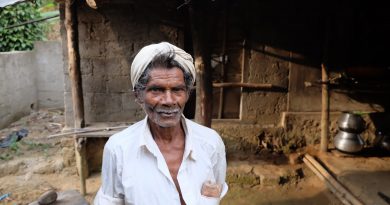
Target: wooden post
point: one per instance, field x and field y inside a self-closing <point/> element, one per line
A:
<point x="204" y="106"/>
<point x="224" y="39"/>
<point x="74" y="62"/>
<point x="81" y="162"/>
<point x="324" y="110"/>
<point x="75" y="79"/>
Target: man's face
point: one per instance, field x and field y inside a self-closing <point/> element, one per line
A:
<point x="165" y="96"/>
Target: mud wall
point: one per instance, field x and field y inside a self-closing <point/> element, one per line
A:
<point x="29" y="80"/>
<point x="109" y="38"/>
<point x="281" y="48"/>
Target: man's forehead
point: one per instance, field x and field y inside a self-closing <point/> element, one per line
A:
<point x="161" y="72"/>
<point x="166" y="76"/>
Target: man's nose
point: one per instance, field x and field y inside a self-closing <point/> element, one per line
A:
<point x="168" y="98"/>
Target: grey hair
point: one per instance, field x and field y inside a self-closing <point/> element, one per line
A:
<point x="165" y="61"/>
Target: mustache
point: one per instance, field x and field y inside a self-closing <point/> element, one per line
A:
<point x="167" y="110"/>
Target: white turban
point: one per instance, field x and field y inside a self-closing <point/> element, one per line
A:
<point x="148" y="53"/>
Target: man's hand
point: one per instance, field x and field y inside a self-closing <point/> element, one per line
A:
<point x="210" y="189"/>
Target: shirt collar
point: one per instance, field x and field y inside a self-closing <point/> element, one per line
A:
<point x="147" y="141"/>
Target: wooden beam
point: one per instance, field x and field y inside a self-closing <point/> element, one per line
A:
<point x="324" y="110"/>
<point x="74" y="62"/>
<point x="247" y="85"/>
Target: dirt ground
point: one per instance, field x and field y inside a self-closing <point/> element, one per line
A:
<point x="37" y="163"/>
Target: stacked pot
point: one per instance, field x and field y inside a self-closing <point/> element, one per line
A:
<point x="348" y="137"/>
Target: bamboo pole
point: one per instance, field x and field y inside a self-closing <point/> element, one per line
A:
<point x="324" y="110"/>
<point x="342" y="191"/>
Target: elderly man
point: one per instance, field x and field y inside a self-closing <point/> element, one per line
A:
<point x="164" y="159"/>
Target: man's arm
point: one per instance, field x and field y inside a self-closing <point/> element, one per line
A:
<point x="111" y="190"/>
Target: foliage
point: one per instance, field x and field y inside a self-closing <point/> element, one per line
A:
<point x="21" y="37"/>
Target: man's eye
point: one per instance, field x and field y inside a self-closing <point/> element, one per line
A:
<point x="154" y="89"/>
<point x="178" y="89"/>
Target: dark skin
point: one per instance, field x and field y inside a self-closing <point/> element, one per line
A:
<point x="163" y="100"/>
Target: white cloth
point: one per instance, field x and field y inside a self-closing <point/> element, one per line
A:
<point x="148" y="53"/>
<point x="134" y="170"/>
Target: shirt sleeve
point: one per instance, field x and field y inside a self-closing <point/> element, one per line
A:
<point x="111" y="190"/>
<point x="219" y="170"/>
<point x="219" y="167"/>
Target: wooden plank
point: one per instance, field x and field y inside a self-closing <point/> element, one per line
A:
<point x="343" y="192"/>
<point x="322" y="178"/>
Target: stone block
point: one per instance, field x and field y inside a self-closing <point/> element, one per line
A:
<point x="113" y="103"/>
<point x="92" y="83"/>
<point x="98" y="105"/>
<point x="68" y="107"/>
<point x="85" y="66"/>
<point x="115" y="49"/>
<point x="128" y="102"/>
<point x="92" y="49"/>
<point x="68" y="197"/>
<point x="268" y="177"/>
<point x="99" y="66"/>
<point x="125" y="66"/>
<point x="103" y="32"/>
<point x="113" y="66"/>
<point x="118" y="84"/>
<point x="84" y="29"/>
<point x="239" y="167"/>
<point x="88" y="15"/>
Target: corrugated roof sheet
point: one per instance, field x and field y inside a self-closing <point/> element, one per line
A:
<point x="4" y="3"/>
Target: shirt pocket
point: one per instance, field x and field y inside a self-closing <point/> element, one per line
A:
<point x="204" y="200"/>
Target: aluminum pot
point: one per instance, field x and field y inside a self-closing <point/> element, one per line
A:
<point x="351" y="122"/>
<point x="382" y="141"/>
<point x="348" y="142"/>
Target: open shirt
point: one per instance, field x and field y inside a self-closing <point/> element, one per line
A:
<point x="134" y="171"/>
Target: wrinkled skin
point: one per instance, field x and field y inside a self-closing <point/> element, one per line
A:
<point x="164" y="97"/>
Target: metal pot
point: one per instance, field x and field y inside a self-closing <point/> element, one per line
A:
<point x="385" y="144"/>
<point x="382" y="141"/>
<point x="351" y="122"/>
<point x="348" y="142"/>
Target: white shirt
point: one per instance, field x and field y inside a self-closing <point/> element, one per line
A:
<point x="134" y="171"/>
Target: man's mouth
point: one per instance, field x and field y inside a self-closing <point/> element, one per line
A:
<point x="168" y="113"/>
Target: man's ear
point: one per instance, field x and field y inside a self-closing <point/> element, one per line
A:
<point x="138" y="97"/>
